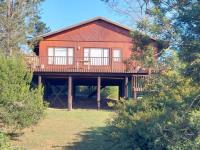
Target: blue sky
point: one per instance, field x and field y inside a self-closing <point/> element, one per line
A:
<point x="62" y="13"/>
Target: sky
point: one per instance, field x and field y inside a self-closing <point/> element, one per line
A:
<point x="62" y="13"/>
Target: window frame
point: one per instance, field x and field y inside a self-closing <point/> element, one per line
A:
<point x="54" y="57"/>
<point x="89" y="57"/>
<point x="117" y="59"/>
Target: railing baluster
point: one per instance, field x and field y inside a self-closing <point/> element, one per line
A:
<point x="81" y="64"/>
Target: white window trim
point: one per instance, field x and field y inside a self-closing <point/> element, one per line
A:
<point x="117" y="59"/>
<point x="60" y="60"/>
<point x="95" y="61"/>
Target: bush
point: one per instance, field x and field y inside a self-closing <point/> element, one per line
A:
<point x="110" y="92"/>
<point x="167" y="117"/>
<point x="20" y="106"/>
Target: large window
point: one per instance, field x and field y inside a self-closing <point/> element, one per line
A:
<point x="60" y="56"/>
<point x="96" y="56"/>
<point x="116" y="55"/>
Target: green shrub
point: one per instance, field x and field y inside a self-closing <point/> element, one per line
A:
<point x="166" y="118"/>
<point x="20" y="106"/>
<point x="110" y="92"/>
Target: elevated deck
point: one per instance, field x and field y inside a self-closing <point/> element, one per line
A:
<point x="99" y="72"/>
<point x="80" y="64"/>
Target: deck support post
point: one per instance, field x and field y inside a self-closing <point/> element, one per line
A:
<point x="132" y="88"/>
<point x="119" y="92"/>
<point x="98" y="92"/>
<point x="134" y="94"/>
<point x="126" y="88"/>
<point x="39" y="81"/>
<point x="70" y="93"/>
<point x="135" y="87"/>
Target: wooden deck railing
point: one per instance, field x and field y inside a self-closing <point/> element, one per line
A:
<point x="81" y="64"/>
<point x="139" y="82"/>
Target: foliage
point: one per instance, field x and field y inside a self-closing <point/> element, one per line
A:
<point x="174" y="21"/>
<point x="143" y="50"/>
<point x="177" y="22"/>
<point x="167" y="117"/>
<point x="20" y="106"/>
<point x="110" y="92"/>
<point x="107" y="92"/>
<point x="19" y="24"/>
<point x="188" y="24"/>
<point x="4" y="145"/>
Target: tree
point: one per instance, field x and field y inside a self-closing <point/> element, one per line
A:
<point x="20" y="105"/>
<point x="19" y="21"/>
<point x="173" y="21"/>
<point x="167" y="117"/>
<point x="188" y="25"/>
<point x="148" y="33"/>
<point x="38" y="28"/>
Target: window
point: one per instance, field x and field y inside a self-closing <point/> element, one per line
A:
<point x="96" y="56"/>
<point x="116" y="55"/>
<point x="60" y="56"/>
<point x="50" y="55"/>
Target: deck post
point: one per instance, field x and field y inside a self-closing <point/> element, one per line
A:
<point x="119" y="92"/>
<point x="98" y="92"/>
<point x="39" y="81"/>
<point x="126" y="88"/>
<point x="134" y="93"/>
<point x="135" y="87"/>
<point x="70" y="93"/>
<point x="132" y="88"/>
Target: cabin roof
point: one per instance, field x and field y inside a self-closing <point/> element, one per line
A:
<point x="83" y="23"/>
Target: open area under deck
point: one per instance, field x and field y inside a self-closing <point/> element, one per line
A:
<point x="61" y="87"/>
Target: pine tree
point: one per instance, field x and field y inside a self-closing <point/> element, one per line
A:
<point x="18" y="18"/>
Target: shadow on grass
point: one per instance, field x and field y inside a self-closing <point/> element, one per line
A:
<point x="93" y="139"/>
<point x="80" y="103"/>
<point x="14" y="136"/>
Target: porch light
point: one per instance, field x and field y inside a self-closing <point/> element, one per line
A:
<point x="79" y="47"/>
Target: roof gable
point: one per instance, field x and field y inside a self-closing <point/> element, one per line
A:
<point x="84" y="23"/>
<point x="97" y="29"/>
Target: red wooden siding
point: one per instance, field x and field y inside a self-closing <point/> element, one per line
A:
<point x="98" y="33"/>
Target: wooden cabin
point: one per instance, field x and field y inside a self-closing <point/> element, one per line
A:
<point x="91" y="53"/>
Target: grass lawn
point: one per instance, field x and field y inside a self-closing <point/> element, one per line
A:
<point x="79" y="129"/>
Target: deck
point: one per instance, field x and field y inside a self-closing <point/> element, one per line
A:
<point x="80" y="64"/>
<point x="99" y="72"/>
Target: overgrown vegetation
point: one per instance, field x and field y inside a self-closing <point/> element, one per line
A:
<point x="20" y="106"/>
<point x="167" y="116"/>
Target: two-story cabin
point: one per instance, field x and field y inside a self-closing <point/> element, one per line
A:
<point x="91" y="53"/>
